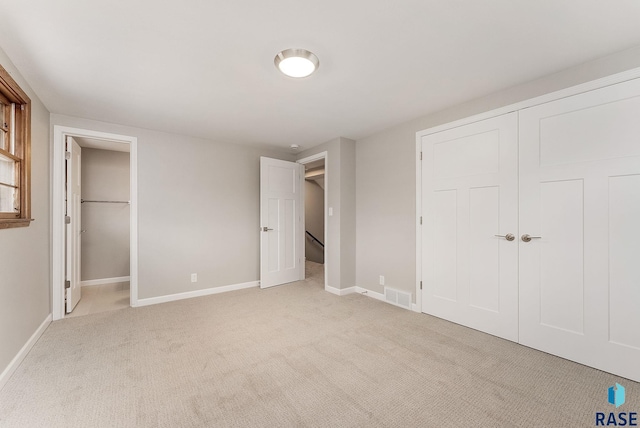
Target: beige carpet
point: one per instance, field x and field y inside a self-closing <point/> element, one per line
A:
<point x="293" y="355"/>
<point x="102" y="298"/>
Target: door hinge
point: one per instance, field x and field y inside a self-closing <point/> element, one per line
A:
<point x="420" y="155"/>
<point x="67" y="219"/>
<point x="67" y="155"/>
<point x="420" y="285"/>
<point x="420" y="219"/>
<point x="67" y="284"/>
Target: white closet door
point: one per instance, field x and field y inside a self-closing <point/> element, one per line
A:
<point x="469" y="195"/>
<point x="580" y="192"/>
<point x="74" y="229"/>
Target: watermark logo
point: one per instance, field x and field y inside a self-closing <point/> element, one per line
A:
<point x="616" y="395"/>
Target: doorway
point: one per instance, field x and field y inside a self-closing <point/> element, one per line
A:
<point x="104" y="233"/>
<point x="315" y="217"/>
<point x="108" y="222"/>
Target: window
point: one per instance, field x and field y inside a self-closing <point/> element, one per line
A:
<point x="15" y="154"/>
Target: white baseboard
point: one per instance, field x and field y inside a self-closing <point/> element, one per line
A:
<point x="332" y="290"/>
<point x="196" y="293"/>
<point x="340" y="291"/>
<point x="381" y="297"/>
<point x="365" y="292"/>
<point x="91" y="282"/>
<point x="372" y="294"/>
<point x="15" y="363"/>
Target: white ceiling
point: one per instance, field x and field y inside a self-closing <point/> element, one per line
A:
<point x="205" y="68"/>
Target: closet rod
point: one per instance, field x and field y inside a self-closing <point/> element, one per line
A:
<point x="105" y="202"/>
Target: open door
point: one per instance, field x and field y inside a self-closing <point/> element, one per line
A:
<point x="281" y="257"/>
<point x="74" y="223"/>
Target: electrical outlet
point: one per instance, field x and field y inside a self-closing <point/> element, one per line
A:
<point x="194" y="277"/>
<point x="381" y="279"/>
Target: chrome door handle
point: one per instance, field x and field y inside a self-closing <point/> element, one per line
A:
<point x="266" y="229"/>
<point x="508" y="236"/>
<point x="527" y="238"/>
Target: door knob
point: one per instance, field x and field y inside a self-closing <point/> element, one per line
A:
<point x="508" y="236"/>
<point x="266" y="229"/>
<point x="527" y="238"/>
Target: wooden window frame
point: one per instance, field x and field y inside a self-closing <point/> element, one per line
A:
<point x="12" y="92"/>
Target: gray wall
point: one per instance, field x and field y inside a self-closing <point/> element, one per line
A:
<point x="105" y="242"/>
<point x="340" y="185"/>
<point x="386" y="175"/>
<point x="24" y="252"/>
<point x="314" y="220"/>
<point x="198" y="209"/>
<point x="348" y="212"/>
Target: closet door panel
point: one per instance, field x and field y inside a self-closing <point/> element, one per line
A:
<point x="484" y="273"/>
<point x="579" y="160"/>
<point x="624" y="257"/>
<point x="469" y="185"/>
<point x="561" y="280"/>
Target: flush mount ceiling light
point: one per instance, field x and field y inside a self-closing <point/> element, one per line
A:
<point x="296" y="62"/>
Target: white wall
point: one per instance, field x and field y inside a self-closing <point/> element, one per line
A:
<point x="24" y="252"/>
<point x="340" y="185"/>
<point x="105" y="242"/>
<point x="386" y="174"/>
<point x="198" y="209"/>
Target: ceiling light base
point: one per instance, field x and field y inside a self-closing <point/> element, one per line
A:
<point x="296" y="63"/>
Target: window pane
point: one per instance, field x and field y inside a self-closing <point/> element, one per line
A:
<point x="12" y="129"/>
<point x="8" y="171"/>
<point x="9" y="193"/>
<point x="9" y="199"/>
<point x="4" y="127"/>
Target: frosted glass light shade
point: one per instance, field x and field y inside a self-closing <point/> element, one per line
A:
<point x="296" y="62"/>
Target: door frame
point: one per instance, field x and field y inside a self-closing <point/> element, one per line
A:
<point x="322" y="155"/>
<point x="57" y="211"/>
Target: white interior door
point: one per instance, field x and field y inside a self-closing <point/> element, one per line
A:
<point x="74" y="289"/>
<point x="469" y="196"/>
<point x="281" y="222"/>
<point x="580" y="192"/>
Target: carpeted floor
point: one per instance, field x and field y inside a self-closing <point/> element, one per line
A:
<point x="102" y="298"/>
<point x="293" y="355"/>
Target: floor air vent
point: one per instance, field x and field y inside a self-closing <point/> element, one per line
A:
<point x="397" y="297"/>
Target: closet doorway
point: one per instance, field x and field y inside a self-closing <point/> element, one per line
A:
<point x="95" y="222"/>
<point x="103" y="254"/>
